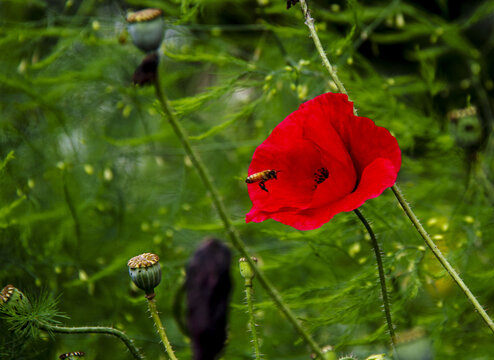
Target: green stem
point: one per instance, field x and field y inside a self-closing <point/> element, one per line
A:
<point x="249" y="294"/>
<point x="382" y="278"/>
<point x="227" y="223"/>
<point x="161" y="329"/>
<point x="309" y="21"/>
<point x="437" y="253"/>
<point x="72" y="210"/>
<point x="95" y="330"/>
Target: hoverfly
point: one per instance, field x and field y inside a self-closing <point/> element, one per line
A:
<point x="71" y="354"/>
<point x="262" y="177"/>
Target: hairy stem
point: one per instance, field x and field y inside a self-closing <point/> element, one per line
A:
<point x="95" y="330"/>
<point x="161" y="329"/>
<point x="382" y="278"/>
<point x="309" y="21"/>
<point x="227" y="223"/>
<point x="437" y="253"/>
<point x="249" y="294"/>
<point x="332" y="72"/>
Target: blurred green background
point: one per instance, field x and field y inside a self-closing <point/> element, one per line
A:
<point x="96" y="175"/>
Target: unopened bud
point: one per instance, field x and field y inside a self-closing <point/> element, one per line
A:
<point x="246" y="270"/>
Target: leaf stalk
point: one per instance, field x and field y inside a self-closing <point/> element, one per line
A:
<point x="95" y="330"/>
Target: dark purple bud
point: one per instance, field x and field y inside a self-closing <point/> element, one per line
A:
<point x="146" y="72"/>
<point x="208" y="286"/>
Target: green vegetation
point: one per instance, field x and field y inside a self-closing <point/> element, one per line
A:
<point x="92" y="174"/>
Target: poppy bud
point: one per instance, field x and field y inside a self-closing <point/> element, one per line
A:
<point x="146" y="28"/>
<point x="467" y="127"/>
<point x="71" y="355"/>
<point x="246" y="271"/>
<point x="12" y="298"/>
<point x="208" y="286"/>
<point x="145" y="272"/>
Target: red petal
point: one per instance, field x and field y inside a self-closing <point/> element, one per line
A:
<point x="362" y="159"/>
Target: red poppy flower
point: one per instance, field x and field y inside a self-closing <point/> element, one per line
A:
<point x="325" y="160"/>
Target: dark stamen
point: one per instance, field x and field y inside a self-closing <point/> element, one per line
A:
<point x="321" y="175"/>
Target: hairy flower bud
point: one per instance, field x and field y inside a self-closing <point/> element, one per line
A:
<point x="11" y="297"/>
<point x="146" y="28"/>
<point x="145" y="272"/>
<point x="246" y="270"/>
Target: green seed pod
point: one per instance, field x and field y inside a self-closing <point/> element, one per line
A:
<point x="467" y="127"/>
<point x="146" y="28"/>
<point x="72" y="355"/>
<point x="11" y="297"/>
<point x="145" y="272"/>
<point x="246" y="271"/>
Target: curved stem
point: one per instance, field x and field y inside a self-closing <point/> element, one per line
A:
<point x="95" y="330"/>
<point x="309" y="21"/>
<point x="227" y="223"/>
<point x="161" y="329"/>
<point x="382" y="278"/>
<point x="249" y="294"/>
<point x="437" y="253"/>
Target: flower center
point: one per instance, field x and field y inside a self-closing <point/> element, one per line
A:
<point x="321" y="175"/>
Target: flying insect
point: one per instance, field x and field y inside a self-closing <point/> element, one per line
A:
<point x="261" y="177"/>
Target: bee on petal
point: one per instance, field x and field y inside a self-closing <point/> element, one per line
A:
<point x="261" y="177"/>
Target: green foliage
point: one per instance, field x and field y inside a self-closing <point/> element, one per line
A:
<point x="92" y="175"/>
<point x="25" y="320"/>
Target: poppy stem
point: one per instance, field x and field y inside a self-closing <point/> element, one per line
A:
<point x="309" y="21"/>
<point x="161" y="329"/>
<point x="249" y="294"/>
<point x="227" y="222"/>
<point x="382" y="278"/>
<point x="437" y="253"/>
<point x="94" y="330"/>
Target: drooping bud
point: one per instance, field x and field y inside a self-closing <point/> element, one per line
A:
<point x="145" y="272"/>
<point x="246" y="270"/>
<point x="72" y="355"/>
<point x="12" y="297"/>
<point x="208" y="287"/>
<point x="146" y="28"/>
